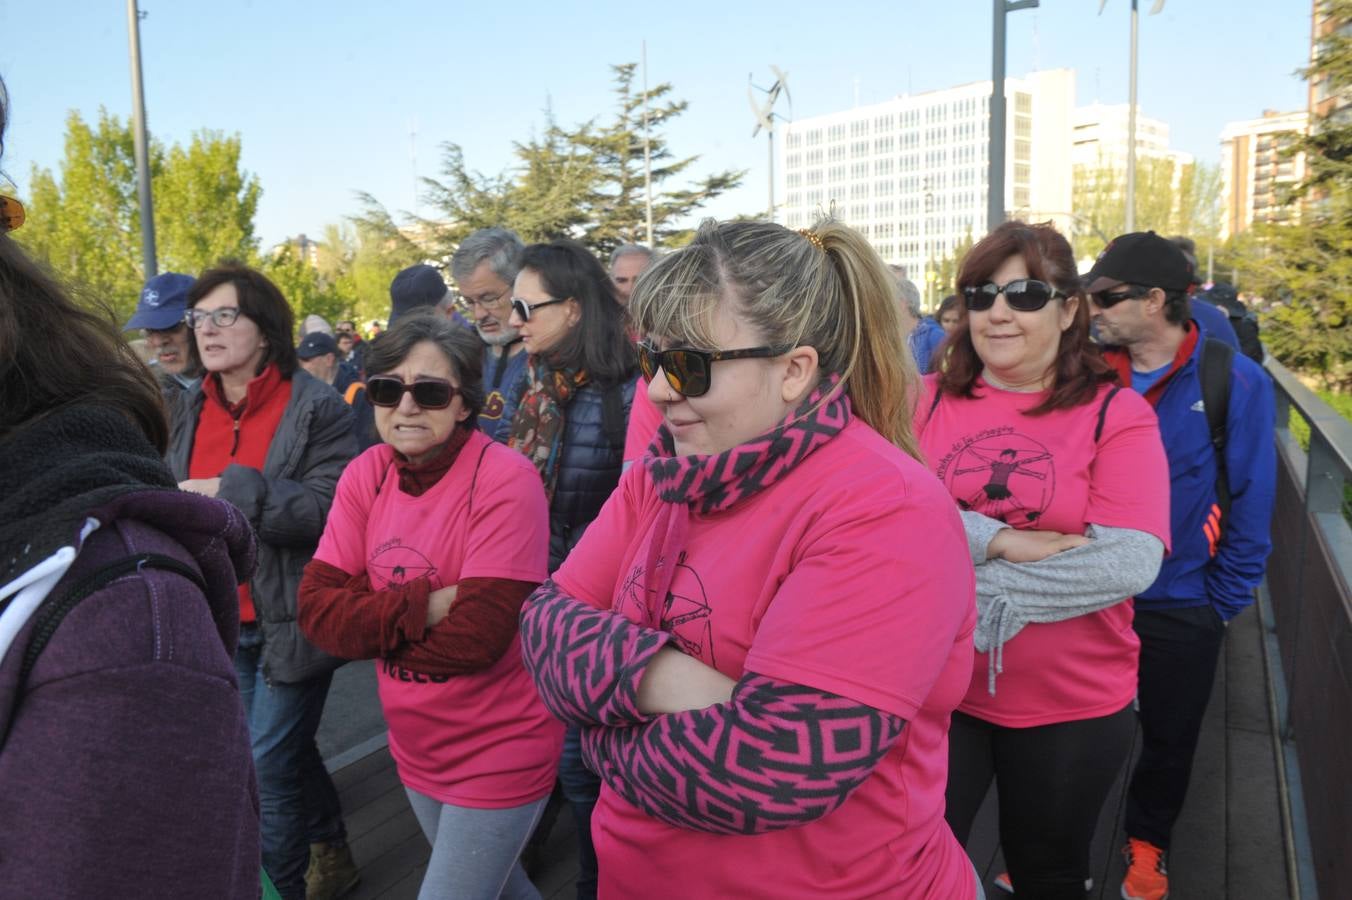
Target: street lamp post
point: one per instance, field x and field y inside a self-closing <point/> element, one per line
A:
<point x="142" y="143"/>
<point x="995" y="180"/>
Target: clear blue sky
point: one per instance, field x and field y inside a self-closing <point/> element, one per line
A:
<point x="323" y="93"/>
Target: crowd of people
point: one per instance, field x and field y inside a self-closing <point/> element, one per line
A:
<point x="681" y="543"/>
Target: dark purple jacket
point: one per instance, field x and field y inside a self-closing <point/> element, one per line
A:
<point x="126" y="771"/>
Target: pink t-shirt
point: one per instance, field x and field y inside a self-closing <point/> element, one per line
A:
<point x="849" y="575"/>
<point x="484" y="739"/>
<point x="644" y="417"/>
<point x="1046" y="472"/>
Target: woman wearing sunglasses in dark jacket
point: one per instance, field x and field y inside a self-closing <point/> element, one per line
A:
<point x="571" y="423"/>
<point x="1062" y="483"/>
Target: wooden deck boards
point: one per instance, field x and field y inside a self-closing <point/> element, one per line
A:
<point x="1227" y="843"/>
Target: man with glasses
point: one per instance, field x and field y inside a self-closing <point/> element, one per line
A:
<point x="484" y="268"/>
<point x="159" y="315"/>
<point x="1220" y="510"/>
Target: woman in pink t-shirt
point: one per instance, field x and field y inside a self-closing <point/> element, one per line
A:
<point x="435" y="538"/>
<point x="1064" y="492"/>
<point x="764" y="633"/>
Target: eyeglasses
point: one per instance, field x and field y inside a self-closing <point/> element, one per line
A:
<point x="488" y="303"/>
<point x="1105" y="299"/>
<point x="221" y="318"/>
<point x="344" y="329"/>
<point x="428" y="393"/>
<point x="689" y="371"/>
<point x="523" y="308"/>
<point x="1022" y="294"/>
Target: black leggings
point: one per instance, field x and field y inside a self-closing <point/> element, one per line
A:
<point x="1051" y="780"/>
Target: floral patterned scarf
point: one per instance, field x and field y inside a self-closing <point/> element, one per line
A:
<point x="711" y="484"/>
<point x="537" y="428"/>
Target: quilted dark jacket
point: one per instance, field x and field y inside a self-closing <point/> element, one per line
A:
<point x="589" y="467"/>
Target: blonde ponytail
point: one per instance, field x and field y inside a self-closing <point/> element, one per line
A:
<point x="880" y="374"/>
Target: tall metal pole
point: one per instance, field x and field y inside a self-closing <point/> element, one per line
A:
<point x="142" y="143"/>
<point x="647" y="154"/>
<point x="1131" y="128"/>
<point x="770" y="135"/>
<point x="995" y="181"/>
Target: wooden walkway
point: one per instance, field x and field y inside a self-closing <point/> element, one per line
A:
<point x="1227" y="844"/>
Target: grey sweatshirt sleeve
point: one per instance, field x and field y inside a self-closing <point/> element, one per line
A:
<point x="980" y="530"/>
<point x="1116" y="564"/>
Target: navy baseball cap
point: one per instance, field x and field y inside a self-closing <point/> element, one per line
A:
<point x="163" y="302"/>
<point x="317" y="343"/>
<point x="417" y="287"/>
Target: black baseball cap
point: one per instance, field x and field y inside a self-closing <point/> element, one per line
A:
<point x="1143" y="258"/>
<point x="316" y="343"/>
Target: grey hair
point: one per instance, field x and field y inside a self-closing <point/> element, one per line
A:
<point x="501" y="248"/>
<point x="910" y="295"/>
<point x="629" y="250"/>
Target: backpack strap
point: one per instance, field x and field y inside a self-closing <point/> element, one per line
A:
<point x="53" y="610"/>
<point x="1103" y="412"/>
<point x="1217" y="360"/>
<point x="353" y="389"/>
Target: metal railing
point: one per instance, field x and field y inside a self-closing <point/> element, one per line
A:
<point x="1309" y="590"/>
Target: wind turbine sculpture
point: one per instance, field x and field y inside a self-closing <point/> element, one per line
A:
<point x="765" y="117"/>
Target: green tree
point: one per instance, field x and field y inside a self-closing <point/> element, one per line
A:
<point x="1304" y="269"/>
<point x="204" y="204"/>
<point x="304" y="287"/>
<point x="1171" y="198"/>
<point x="585" y="182"/>
<point x="86" y="223"/>
<point x="620" y="214"/>
<point x="1304" y="272"/>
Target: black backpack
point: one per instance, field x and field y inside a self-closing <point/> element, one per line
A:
<point x="1217" y="359"/>
<point x="1242" y="319"/>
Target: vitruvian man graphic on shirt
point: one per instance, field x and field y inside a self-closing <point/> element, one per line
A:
<point x="685" y="612"/>
<point x="1007" y="476"/>
<point x="394" y="564"/>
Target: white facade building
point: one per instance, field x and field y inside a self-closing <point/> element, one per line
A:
<point x="910" y="173"/>
<point x="1100" y="138"/>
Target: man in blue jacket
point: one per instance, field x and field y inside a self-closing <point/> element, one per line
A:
<point x="1139" y="289"/>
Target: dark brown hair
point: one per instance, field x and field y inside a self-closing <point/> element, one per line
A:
<point x="598" y="343"/>
<point x="1079" y="368"/>
<point x="262" y="302"/>
<point x="461" y="347"/>
<point x="55" y="353"/>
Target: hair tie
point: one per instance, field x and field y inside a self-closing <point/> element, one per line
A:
<point x="813" y="237"/>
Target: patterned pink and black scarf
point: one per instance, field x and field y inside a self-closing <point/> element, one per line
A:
<point x="711" y="484"/>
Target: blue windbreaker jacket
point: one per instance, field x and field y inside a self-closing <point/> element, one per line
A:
<point x="1192" y="575"/>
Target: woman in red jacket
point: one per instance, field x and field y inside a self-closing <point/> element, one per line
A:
<point x="435" y="538"/>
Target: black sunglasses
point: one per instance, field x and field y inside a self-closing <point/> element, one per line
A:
<point x="1023" y="294"/>
<point x="1106" y="299"/>
<point x="428" y="393"/>
<point x="689" y="371"/>
<point x="523" y="308"/>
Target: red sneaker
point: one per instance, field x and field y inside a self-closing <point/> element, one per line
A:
<point x="1147" y="878"/>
